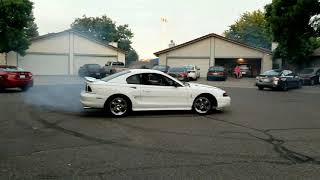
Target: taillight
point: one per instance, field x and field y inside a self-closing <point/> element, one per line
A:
<point x="30" y="74"/>
<point x="3" y="76"/>
<point x="88" y="88"/>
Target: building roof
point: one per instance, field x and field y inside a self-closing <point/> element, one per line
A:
<point x="49" y="35"/>
<point x="209" y="36"/>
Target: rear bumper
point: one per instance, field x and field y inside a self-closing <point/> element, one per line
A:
<point x="90" y="100"/>
<point x="216" y="77"/>
<point x="16" y="83"/>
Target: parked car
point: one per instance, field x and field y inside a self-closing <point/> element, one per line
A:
<point x="217" y="73"/>
<point x="15" y="77"/>
<point x="179" y="73"/>
<point x="310" y="76"/>
<point x="245" y="69"/>
<point x="162" y="68"/>
<point x="92" y="70"/>
<point x="114" y="67"/>
<point x="278" y="79"/>
<point x="193" y="72"/>
<point x="149" y="90"/>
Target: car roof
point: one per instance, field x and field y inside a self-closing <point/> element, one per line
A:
<point x="144" y="71"/>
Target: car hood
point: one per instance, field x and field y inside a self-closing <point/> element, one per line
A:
<point x="204" y="87"/>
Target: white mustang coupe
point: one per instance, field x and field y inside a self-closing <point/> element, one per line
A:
<point x="148" y="90"/>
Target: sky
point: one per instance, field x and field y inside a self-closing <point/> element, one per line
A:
<point x="186" y="19"/>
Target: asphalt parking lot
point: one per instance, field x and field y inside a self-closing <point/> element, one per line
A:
<point x="45" y="134"/>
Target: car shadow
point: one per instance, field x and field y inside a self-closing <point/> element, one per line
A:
<point x="96" y="113"/>
<point x="11" y="90"/>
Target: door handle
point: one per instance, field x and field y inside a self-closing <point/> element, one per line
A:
<point x="146" y="91"/>
<point x="133" y="87"/>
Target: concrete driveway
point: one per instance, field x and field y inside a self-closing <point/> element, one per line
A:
<point x="45" y="134"/>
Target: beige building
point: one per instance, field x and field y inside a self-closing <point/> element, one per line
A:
<point x="2" y="59"/>
<point x="64" y="53"/>
<point x="213" y="49"/>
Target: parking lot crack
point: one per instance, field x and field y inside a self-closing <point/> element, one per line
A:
<point x="278" y="144"/>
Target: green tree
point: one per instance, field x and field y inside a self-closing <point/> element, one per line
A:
<point x="105" y="30"/>
<point x="17" y="25"/>
<point x="251" y="29"/>
<point x="294" y="25"/>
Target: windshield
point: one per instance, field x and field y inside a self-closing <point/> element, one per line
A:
<point x="307" y="71"/>
<point x="117" y="64"/>
<point x="108" y="78"/>
<point x="271" y="73"/>
<point x="177" y="69"/>
<point x="94" y="66"/>
<point x="216" y="68"/>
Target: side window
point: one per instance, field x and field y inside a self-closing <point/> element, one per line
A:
<point x="156" y="80"/>
<point x="286" y="73"/>
<point x="134" y="79"/>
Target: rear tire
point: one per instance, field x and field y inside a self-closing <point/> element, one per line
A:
<point x="25" y="88"/>
<point x="118" y="106"/>
<point x="260" y="88"/>
<point x="299" y="84"/>
<point x="312" y="82"/>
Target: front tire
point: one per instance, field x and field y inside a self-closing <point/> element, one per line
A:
<point x="285" y="87"/>
<point x="118" y="106"/>
<point x="260" y="88"/>
<point x="25" y="88"/>
<point x="202" y="105"/>
<point x="312" y="82"/>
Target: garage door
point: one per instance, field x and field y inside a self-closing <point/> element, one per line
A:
<point x="82" y="60"/>
<point x="203" y="64"/>
<point x="44" y="64"/>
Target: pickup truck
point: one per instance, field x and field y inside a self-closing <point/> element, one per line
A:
<point x="114" y="67"/>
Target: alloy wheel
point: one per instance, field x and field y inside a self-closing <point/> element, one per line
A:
<point x="118" y="106"/>
<point x="202" y="105"/>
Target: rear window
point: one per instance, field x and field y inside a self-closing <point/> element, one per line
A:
<point x="10" y="68"/>
<point x="177" y="69"/>
<point x="271" y="73"/>
<point x="94" y="66"/>
<point x="108" y="78"/>
<point x="307" y="71"/>
<point x="216" y="68"/>
<point x="190" y="68"/>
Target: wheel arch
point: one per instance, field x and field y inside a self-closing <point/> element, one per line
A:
<point x="211" y="97"/>
<point x="118" y="95"/>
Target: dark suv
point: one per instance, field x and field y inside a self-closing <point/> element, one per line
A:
<point x="92" y="70"/>
<point x="278" y="79"/>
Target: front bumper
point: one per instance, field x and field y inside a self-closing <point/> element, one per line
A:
<point x="90" y="100"/>
<point x="223" y="102"/>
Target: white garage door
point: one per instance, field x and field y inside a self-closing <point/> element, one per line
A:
<point x="203" y="64"/>
<point x="40" y="64"/>
<point x="82" y="60"/>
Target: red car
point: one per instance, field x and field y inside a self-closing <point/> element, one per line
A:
<point x="15" y="77"/>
